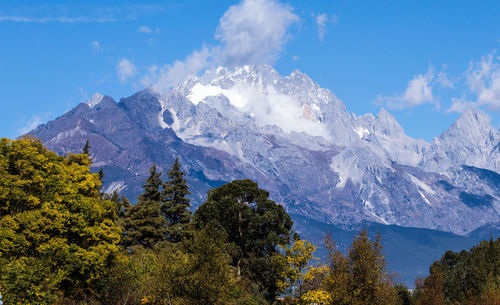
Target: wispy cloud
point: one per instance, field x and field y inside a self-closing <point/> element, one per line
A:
<point x="79" y="14"/>
<point x="443" y="80"/>
<point x="250" y="32"/>
<point x="32" y="123"/>
<point x="477" y="87"/>
<point x="161" y="79"/>
<point x="144" y="29"/>
<point x="322" y="21"/>
<point x="482" y="79"/>
<point x="95" y="44"/>
<point x="418" y="92"/>
<point x="459" y="105"/>
<point x="79" y="19"/>
<point x="125" y="69"/>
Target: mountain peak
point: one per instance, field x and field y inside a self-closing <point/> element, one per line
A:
<point x="386" y="124"/>
<point x="474" y="115"/>
<point x="96" y="99"/>
<point x="473" y="125"/>
<point x="298" y="74"/>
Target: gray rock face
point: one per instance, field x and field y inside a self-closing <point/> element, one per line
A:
<point x="297" y="141"/>
<point x="470" y="140"/>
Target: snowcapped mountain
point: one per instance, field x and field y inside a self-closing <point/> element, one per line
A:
<point x="470" y="140"/>
<point x="299" y="142"/>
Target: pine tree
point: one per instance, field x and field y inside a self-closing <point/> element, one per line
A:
<point x="86" y="148"/>
<point x="144" y="225"/>
<point x="121" y="203"/>
<point x="175" y="205"/>
<point x="101" y="174"/>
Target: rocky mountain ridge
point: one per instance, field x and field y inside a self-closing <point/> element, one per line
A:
<point x="296" y="140"/>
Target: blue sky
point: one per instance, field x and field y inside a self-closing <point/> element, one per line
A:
<point x="425" y="61"/>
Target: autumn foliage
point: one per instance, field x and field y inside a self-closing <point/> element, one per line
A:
<point x="64" y="241"/>
<point x="57" y="237"/>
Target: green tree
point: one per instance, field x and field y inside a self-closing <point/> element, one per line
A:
<point x="404" y="296"/>
<point x="490" y="295"/>
<point x="86" y="148"/>
<point x="207" y="278"/>
<point x="360" y="278"/>
<point x="194" y="272"/>
<point x="175" y="206"/>
<point x="57" y="237"/>
<point x="144" y="224"/>
<point x="433" y="288"/>
<point x="121" y="202"/>
<point x="462" y="277"/>
<point x="255" y="226"/>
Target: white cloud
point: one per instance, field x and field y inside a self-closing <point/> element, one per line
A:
<point x="48" y="13"/>
<point x="443" y="80"/>
<point x="418" y="92"/>
<point x="265" y="104"/>
<point x="321" y="21"/>
<point x="125" y="70"/>
<point x="250" y="32"/>
<point x="460" y="105"/>
<point x="482" y="79"/>
<point x="95" y="44"/>
<point x="144" y="29"/>
<point x="47" y="19"/>
<point x="253" y="32"/>
<point x="31" y="124"/>
<point x="161" y="79"/>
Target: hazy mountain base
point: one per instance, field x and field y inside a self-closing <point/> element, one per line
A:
<point x="409" y="251"/>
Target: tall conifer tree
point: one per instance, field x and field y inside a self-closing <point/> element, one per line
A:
<point x="175" y="206"/>
<point x="86" y="148"/>
<point x="144" y="225"/>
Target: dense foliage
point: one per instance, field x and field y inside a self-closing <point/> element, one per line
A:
<point x="162" y="212"/>
<point x="144" y="224"/>
<point x="468" y="277"/>
<point x="57" y="237"/>
<point x="175" y="205"/>
<point x="63" y="241"/>
<point x="255" y="226"/>
<point x="360" y="277"/>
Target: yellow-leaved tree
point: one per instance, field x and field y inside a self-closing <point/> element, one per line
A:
<point x="360" y="278"/>
<point x="297" y="280"/>
<point x="57" y="237"/>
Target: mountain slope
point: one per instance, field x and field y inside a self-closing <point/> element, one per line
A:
<point x="296" y="140"/>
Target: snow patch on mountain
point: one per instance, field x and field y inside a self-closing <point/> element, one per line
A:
<point x="300" y="143"/>
<point x="470" y="140"/>
<point x="161" y="119"/>
<point x="265" y="104"/>
<point x="422" y="185"/>
<point x="77" y="130"/>
<point x="95" y="100"/>
<point x="117" y="186"/>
